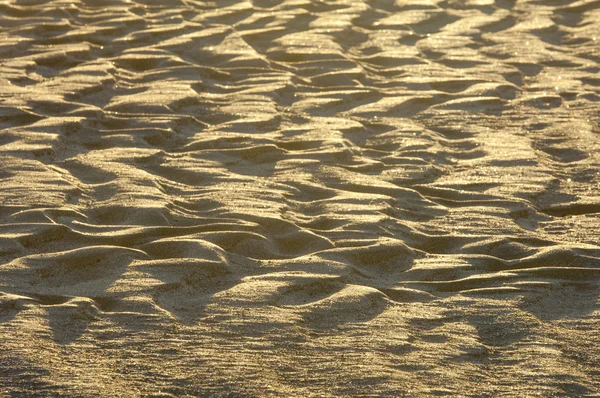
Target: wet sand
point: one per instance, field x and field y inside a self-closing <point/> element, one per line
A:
<point x="299" y="198"/>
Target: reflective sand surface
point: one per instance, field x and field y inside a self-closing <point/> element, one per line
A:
<point x="299" y="198"/>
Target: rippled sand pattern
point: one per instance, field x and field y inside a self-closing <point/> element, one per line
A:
<point x="299" y="198"/>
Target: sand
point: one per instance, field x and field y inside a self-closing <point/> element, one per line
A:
<point x="299" y="198"/>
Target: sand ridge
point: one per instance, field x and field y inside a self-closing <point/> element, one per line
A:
<point x="299" y="198"/>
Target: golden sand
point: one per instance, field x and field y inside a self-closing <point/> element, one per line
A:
<point x="299" y="198"/>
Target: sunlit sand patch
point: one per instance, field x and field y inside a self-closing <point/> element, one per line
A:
<point x="299" y="198"/>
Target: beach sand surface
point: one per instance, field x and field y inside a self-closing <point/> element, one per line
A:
<point x="299" y="198"/>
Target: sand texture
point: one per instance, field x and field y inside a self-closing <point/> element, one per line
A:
<point x="299" y="198"/>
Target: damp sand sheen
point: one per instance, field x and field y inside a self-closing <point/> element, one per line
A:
<point x="299" y="198"/>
